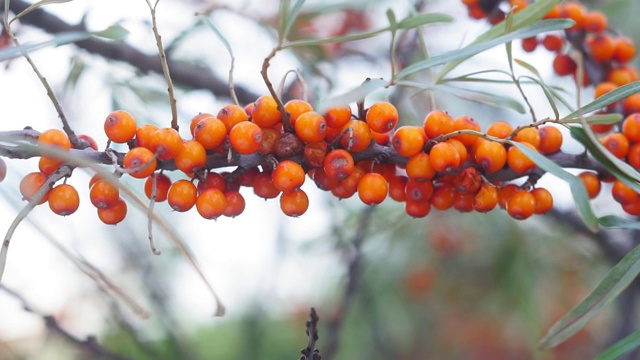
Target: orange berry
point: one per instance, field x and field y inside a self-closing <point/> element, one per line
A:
<point x="338" y="164"/>
<point x="235" y="204"/>
<point x="212" y="179"/>
<point x="265" y="112"/>
<point x="408" y="140"/>
<point x="631" y="127"/>
<point x="322" y="180"/>
<point x="591" y="183"/>
<point x="500" y="129"/>
<point x="631" y="103"/>
<point x="270" y="138"/>
<point x="64" y="199"/>
<point x="595" y="22"/>
<point x="601" y="47"/>
<point x="288" y="175"/>
<point x="486" y="198"/>
<point x="397" y="184"/>
<point x="624" y="50"/>
<point x="120" y="126"/>
<point x="466" y="123"/>
<point x="315" y="153"/>
<point x="54" y="138"/>
<point x="623" y="75"/>
<point x="443" y="196"/>
<point x="103" y="194"/>
<point x="295" y="108"/>
<point x="140" y="162"/>
<point x="490" y="156"/>
<point x="337" y="116"/>
<point x="554" y="13"/>
<point x="550" y="139"/>
<point x="544" y="200"/>
<point x="381" y="139"/>
<point x="232" y="114"/>
<point x="564" y="65"/>
<point x="633" y="156"/>
<point x="623" y="193"/>
<point x="165" y="143"/>
<point x="357" y="136"/>
<point x="90" y="141"/>
<point x="114" y="214"/>
<point x="182" y="195"/>
<point x="310" y="127"/>
<point x="603" y="88"/>
<point x="294" y="203"/>
<point x="48" y="166"/>
<point x="349" y="186"/>
<point x="211" y="203"/>
<point x="518" y="161"/>
<point x="529" y="44"/>
<point x="476" y="12"/>
<point x="521" y="205"/>
<point x="601" y="128"/>
<point x="444" y="157"/>
<point x="31" y="184"/>
<point x="162" y="182"/>
<point x="419" y="167"/>
<point x="372" y="188"/>
<point x="632" y="208"/>
<point x="617" y="144"/>
<point x="191" y="157"/>
<point x="528" y="135"/>
<point x="418" y="190"/>
<point x="468" y="180"/>
<point x="144" y="134"/>
<point x="246" y="137"/>
<point x="382" y="117"/>
<point x="195" y="120"/>
<point x="504" y="193"/>
<point x="575" y="12"/>
<point x="263" y="186"/>
<point x="437" y="122"/>
<point x="417" y="209"/>
<point x="518" y="5"/>
<point x="463" y="202"/>
<point x="210" y="132"/>
<point x="553" y="42"/>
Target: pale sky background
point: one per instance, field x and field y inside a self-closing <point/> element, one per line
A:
<point x="238" y="255"/>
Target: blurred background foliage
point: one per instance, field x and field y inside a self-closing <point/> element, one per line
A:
<point x="451" y="286"/>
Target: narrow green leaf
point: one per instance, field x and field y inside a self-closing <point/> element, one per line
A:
<point x="599" y="119"/>
<point x="354" y="95"/>
<point x="475" y="48"/>
<point x="618" y="278"/>
<point x="391" y="16"/>
<point x="283" y="15"/>
<point x="57" y="40"/>
<point x="291" y="18"/>
<point x="547" y="93"/>
<point x="578" y="190"/>
<point x="114" y="32"/>
<point x="606" y="99"/>
<point x="616" y="222"/>
<point x="216" y="31"/>
<point x="37" y="5"/>
<point x="626" y="345"/>
<point x="416" y="20"/>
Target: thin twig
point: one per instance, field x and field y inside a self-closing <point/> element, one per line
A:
<point x="152" y="201"/>
<point x="286" y="120"/>
<point x="310" y="352"/>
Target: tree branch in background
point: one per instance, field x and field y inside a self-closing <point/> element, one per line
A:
<point x="89" y="345"/>
<point x="188" y="75"/>
<point x="310" y="352"/>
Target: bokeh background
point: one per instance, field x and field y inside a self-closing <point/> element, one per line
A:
<point x="385" y="286"/>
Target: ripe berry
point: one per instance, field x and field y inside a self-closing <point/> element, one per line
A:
<point x="310" y="127"/>
<point x="550" y="139"/>
<point x="529" y="44"/>
<point x="417" y="209"/>
<point x="263" y="186"/>
<point x="246" y="137"/>
<point x="464" y="202"/>
<point x="617" y="144"/>
<point x="528" y="135"/>
<point x="419" y="167"/>
<point x="544" y="200"/>
<point x="288" y="175"/>
<point x="195" y="120"/>
<point x="490" y="156"/>
<point x="144" y="134"/>
<point x="90" y="141"/>
<point x="113" y="214"/>
<point x="521" y="205"/>
<point x="633" y="156"/>
<point x="210" y="132"/>
<point x="31" y="184"/>
<point x="437" y="123"/>
<point x="564" y="65"/>
<point x="631" y="127"/>
<point x="165" y="143"/>
<point x="500" y="129"/>
<point x="295" y="108"/>
<point x="191" y="157"/>
<point x="553" y="42"/>
<point x="103" y="194"/>
<point x="504" y="193"/>
<point x="575" y="12"/>
<point x="372" y="188"/>
<point x="55" y="138"/>
<point x="518" y="161"/>
<point x="182" y="195"/>
<point x="591" y="183"/>
<point x="337" y="116"/>
<point x="356" y="136"/>
<point x="418" y="190"/>
<point x="601" y="47"/>
<point x="623" y="193"/>
<point x="595" y="22"/>
<point x="408" y="140"/>
<point x="140" y="162"/>
<point x="624" y="50"/>
<point x="265" y="112"/>
<point x="162" y="183"/>
<point x="466" y="123"/>
<point x="294" y="203"/>
<point x="486" y="198"/>
<point x="211" y="203"/>
<point x="444" y="157"/>
<point x="48" y="165"/>
<point x="397" y="185"/>
<point x="64" y="199"/>
<point x="382" y="117"/>
<point x="120" y="126"/>
<point x="235" y="204"/>
<point x="443" y="196"/>
<point x="232" y="114"/>
<point x="212" y="179"/>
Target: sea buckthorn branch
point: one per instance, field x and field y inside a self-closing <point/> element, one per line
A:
<point x="189" y="75"/>
<point x="310" y="352"/>
<point x="89" y="345"/>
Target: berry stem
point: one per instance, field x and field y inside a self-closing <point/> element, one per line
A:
<point x="286" y="120"/>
